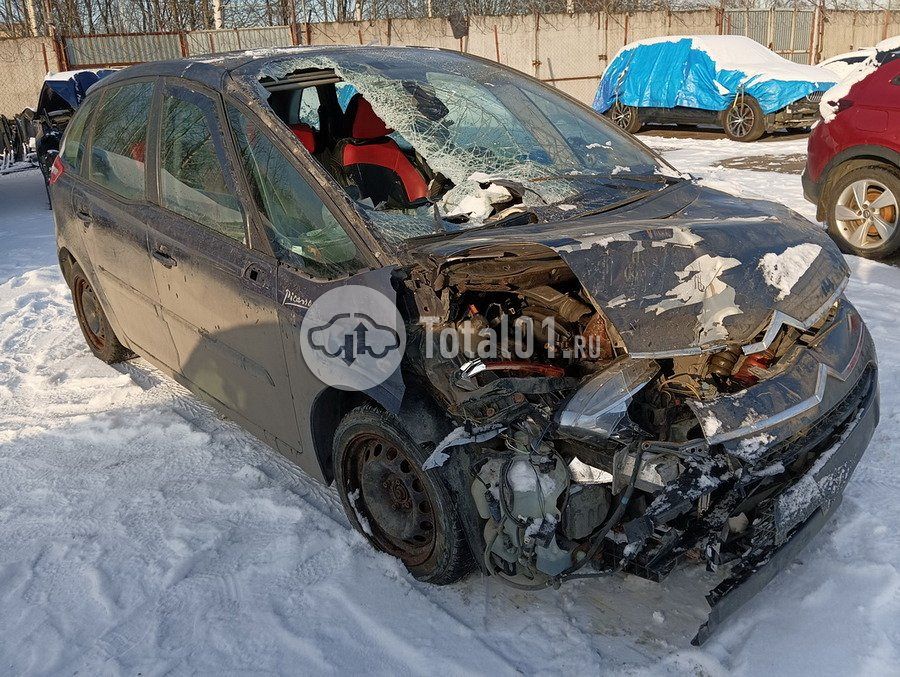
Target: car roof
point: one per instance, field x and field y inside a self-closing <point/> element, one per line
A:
<point x="211" y="69"/>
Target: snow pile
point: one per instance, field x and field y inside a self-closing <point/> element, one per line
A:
<point x="828" y="107"/>
<point x="839" y="64"/>
<point x="752" y="448"/>
<point x="888" y="45"/>
<point x="783" y="271"/>
<point x="710" y="424"/>
<point x="475" y="198"/>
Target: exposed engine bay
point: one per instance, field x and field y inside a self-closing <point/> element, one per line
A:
<point x="584" y="461"/>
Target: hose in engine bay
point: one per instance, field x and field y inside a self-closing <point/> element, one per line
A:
<point x="609" y="524"/>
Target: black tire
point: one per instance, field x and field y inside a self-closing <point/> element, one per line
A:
<point x="95" y="327"/>
<point x="864" y="236"/>
<point x="744" y="120"/>
<point x="398" y="507"/>
<point x="626" y="118"/>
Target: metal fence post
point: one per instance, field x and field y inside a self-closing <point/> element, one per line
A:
<point x="496" y="43"/>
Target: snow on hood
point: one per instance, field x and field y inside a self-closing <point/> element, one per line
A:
<point x="843" y="64"/>
<point x="692" y="282"/>
<point x="888" y="45"/>
<point x="720" y="286"/>
<point x="828" y="107"/>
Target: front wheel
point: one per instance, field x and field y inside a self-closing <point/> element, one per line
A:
<point x="625" y="117"/>
<point x="400" y="508"/>
<point x="862" y="212"/>
<point x="744" y="120"/>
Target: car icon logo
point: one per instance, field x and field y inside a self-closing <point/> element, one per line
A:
<point x="353" y="337"/>
<point x="358" y="334"/>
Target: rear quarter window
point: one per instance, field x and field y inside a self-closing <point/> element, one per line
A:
<point x="75" y="138"/>
<point x="120" y="139"/>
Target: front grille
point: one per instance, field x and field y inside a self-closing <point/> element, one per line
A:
<point x="803" y="451"/>
<point x="818" y="438"/>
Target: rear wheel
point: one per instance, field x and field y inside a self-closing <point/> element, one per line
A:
<point x="863" y="212"/>
<point x="744" y="120"/>
<point x="98" y="333"/>
<point x="625" y="117"/>
<point x="401" y="509"/>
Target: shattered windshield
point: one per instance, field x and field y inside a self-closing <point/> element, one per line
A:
<point x="469" y="144"/>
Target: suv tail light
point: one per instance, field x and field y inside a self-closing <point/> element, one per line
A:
<point x="56" y="170"/>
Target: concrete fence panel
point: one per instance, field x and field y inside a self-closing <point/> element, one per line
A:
<point x="24" y="63"/>
<point x="849" y="31"/>
<point x="570" y="51"/>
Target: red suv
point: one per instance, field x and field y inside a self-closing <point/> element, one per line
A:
<point x="853" y="166"/>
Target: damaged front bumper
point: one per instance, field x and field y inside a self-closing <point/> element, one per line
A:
<point x="796" y="517"/>
<point x="776" y="459"/>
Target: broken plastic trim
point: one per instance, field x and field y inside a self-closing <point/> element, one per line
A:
<point x="600" y="404"/>
<point x="779" y="319"/>
<point x="822" y="374"/>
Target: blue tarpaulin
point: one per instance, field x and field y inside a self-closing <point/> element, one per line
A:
<point x="705" y="72"/>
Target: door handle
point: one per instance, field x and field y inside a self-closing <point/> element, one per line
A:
<point x="84" y="216"/>
<point x="164" y="259"/>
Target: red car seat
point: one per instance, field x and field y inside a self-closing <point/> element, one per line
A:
<point x="374" y="162"/>
<point x="307" y="136"/>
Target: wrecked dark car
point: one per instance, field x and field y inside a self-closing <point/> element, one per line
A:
<point x="696" y="388"/>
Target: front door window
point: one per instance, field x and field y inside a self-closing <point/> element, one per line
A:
<point x="303" y="231"/>
<point x="191" y="180"/>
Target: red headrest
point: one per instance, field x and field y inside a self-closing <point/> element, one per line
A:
<point x="306" y="134"/>
<point x="366" y="124"/>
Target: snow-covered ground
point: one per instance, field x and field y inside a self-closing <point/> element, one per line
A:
<point x="140" y="533"/>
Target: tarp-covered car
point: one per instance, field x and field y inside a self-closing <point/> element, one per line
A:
<point x="607" y="366"/>
<point x="725" y="80"/>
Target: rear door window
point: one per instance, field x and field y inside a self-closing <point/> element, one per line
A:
<point x="73" y="145"/>
<point x="191" y="177"/>
<point x="119" y="144"/>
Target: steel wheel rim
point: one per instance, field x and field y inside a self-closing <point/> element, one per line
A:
<point x="866" y="214"/>
<point x="90" y="313"/>
<point x="622" y="115"/>
<point x="388" y="491"/>
<point x="740" y="119"/>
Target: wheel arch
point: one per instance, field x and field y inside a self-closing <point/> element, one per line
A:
<point x="423" y="420"/>
<point x="851" y="159"/>
<point x="66" y="261"/>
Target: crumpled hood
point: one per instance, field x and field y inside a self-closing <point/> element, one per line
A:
<point x="694" y="280"/>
